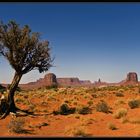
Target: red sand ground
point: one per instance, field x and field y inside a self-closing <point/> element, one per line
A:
<point x="44" y="102"/>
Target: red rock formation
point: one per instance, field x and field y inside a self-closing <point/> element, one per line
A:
<point x="132" y="76"/>
<point x="131" y="79"/>
<point x="68" y="81"/>
<point x="85" y="82"/>
<point x="48" y="80"/>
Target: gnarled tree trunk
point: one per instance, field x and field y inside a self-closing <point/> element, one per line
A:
<point x="11" y="93"/>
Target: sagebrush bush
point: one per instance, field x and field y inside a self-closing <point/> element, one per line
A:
<point x="111" y="126"/>
<point x="120" y="113"/>
<point x="119" y="102"/>
<point x="64" y="109"/>
<point x="124" y="120"/>
<point x="76" y="131"/>
<point x="90" y="103"/>
<point x="119" y="94"/>
<point x="16" y="125"/>
<point x="83" y="110"/>
<point x="102" y="106"/>
<point x="134" y="103"/>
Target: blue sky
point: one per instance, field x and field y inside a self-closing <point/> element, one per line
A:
<point x="88" y="40"/>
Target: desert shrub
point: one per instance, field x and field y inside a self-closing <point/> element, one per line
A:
<point x="134" y="103"/>
<point x="77" y="117"/>
<point x="80" y="132"/>
<point x="124" y="120"/>
<point x="120" y="113"/>
<point x="83" y="110"/>
<point x="102" y="106"/>
<point x="75" y="103"/>
<point x="44" y="103"/>
<point x="90" y="102"/>
<point x="18" y="100"/>
<point x="118" y="102"/>
<point x="76" y="131"/>
<point x="119" y="94"/>
<point x="16" y="125"/>
<point x="31" y="107"/>
<point x="54" y="87"/>
<point x="111" y="126"/>
<point x="121" y="90"/>
<point x="64" y="109"/>
<point x="25" y="96"/>
<point x="94" y="95"/>
<point x="86" y="96"/>
<point x="87" y="121"/>
<point x="67" y="101"/>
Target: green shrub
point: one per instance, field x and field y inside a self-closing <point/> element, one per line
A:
<point x="64" y="109"/>
<point x="54" y="87"/>
<point x="134" y="103"/>
<point x="102" y="107"/>
<point x="83" y="110"/>
<point x="90" y="103"/>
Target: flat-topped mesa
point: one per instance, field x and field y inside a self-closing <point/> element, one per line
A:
<point x="132" y="77"/>
<point x="85" y="82"/>
<point x="68" y="81"/>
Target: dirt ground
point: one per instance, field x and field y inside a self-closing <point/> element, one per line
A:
<point x="118" y="114"/>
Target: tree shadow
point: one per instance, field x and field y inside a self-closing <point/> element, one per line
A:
<point x="26" y="131"/>
<point x="21" y="113"/>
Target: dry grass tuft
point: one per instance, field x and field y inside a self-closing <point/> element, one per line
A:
<point x="120" y="113"/>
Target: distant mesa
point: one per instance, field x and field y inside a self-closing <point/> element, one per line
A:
<point x="72" y="82"/>
<point x="50" y="79"/>
<point x="68" y="81"/>
<point x="85" y="82"/>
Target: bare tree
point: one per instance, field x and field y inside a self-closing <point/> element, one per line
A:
<point x="24" y="51"/>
